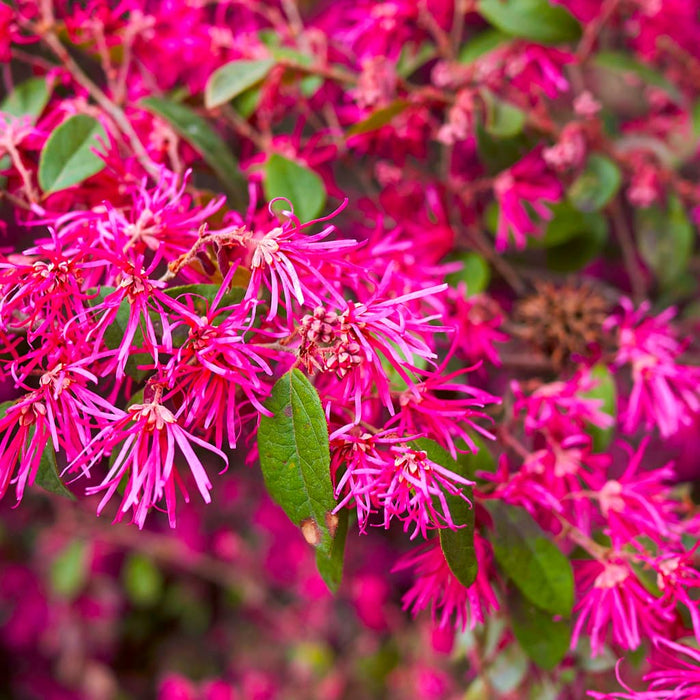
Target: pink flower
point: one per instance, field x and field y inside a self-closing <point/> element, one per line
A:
<point x="561" y="407"/>
<point x="386" y="473"/>
<point x="675" y="675"/>
<point x="423" y="408"/>
<point x="477" y="321"/>
<point x="218" y="369"/>
<point x="353" y="346"/>
<point x="614" y="604"/>
<point x="638" y="503"/>
<point x="664" y="393"/>
<point x="143" y="440"/>
<point x="291" y="265"/>
<point x="529" y="180"/>
<point x="438" y="588"/>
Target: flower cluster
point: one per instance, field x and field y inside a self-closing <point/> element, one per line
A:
<point x="465" y="229"/>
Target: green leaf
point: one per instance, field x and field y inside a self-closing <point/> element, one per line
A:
<point x="295" y="459"/>
<point x="498" y="153"/>
<point x="533" y="562"/>
<point x="535" y="20"/>
<point x="666" y="240"/>
<point x="67" y="157"/>
<point x="482" y="44"/>
<point x="544" y="639"/>
<point x="247" y="102"/>
<point x="297" y="183"/>
<point x="143" y="580"/>
<point x="502" y="119"/>
<point x="606" y="390"/>
<point x="481" y="461"/>
<point x="457" y="545"/>
<point x="475" y="273"/>
<point x="69" y="570"/>
<point x="596" y="185"/>
<point x="331" y="566"/>
<point x="573" y="238"/>
<point x="200" y="134"/>
<point x="47" y="475"/>
<point x="624" y="63"/>
<point x="29" y="98"/>
<point x="410" y="58"/>
<point x="234" y="78"/>
<point x="379" y="118"/>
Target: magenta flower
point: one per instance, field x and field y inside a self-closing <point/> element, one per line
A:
<point x="614" y="604"/>
<point x="355" y="344"/>
<point x="477" y="321"/>
<point x="144" y="440"/>
<point x="560" y="407"/>
<point x="289" y="264"/>
<point x="218" y="369"/>
<point x="675" y="675"/>
<point x="529" y="180"/>
<point x="414" y="489"/>
<point x="639" y="503"/>
<point x="438" y="588"/>
<point x="664" y="393"/>
<point x="24" y="433"/>
<point x="423" y="408"/>
<point x="384" y="473"/>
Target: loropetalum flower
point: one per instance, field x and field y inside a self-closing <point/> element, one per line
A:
<point x="437" y="588"/>
<point x="638" y="503"/>
<point x="665" y="393"/>
<point x="529" y="180"/>
<point x="144" y="321"/>
<point x="675" y="675"/>
<point x="615" y="606"/>
<point x="391" y="475"/>
<point x="142" y="442"/>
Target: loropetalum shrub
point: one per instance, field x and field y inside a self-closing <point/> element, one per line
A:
<point x="417" y="266"/>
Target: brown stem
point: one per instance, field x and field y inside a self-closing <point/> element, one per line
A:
<point x="629" y="252"/>
<point x="51" y="40"/>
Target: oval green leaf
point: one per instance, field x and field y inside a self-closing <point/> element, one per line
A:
<point x="200" y="134"/>
<point x="543" y="638"/>
<point x="535" y="20"/>
<point x="475" y="273"/>
<point x="503" y="119"/>
<point x="379" y="118"/>
<point x="297" y="183"/>
<point x="143" y="580"/>
<point x="666" y="240"/>
<point x="574" y="238"/>
<point x="457" y="545"/>
<point x="69" y="570"/>
<point x="47" y="475"/>
<point x="330" y="566"/>
<point x="234" y="78"/>
<point x="67" y="157"/>
<point x="482" y="44"/>
<point x="27" y="99"/>
<point x="531" y="560"/>
<point x="605" y="390"/>
<point x="596" y="185"/>
<point x="295" y="459"/>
